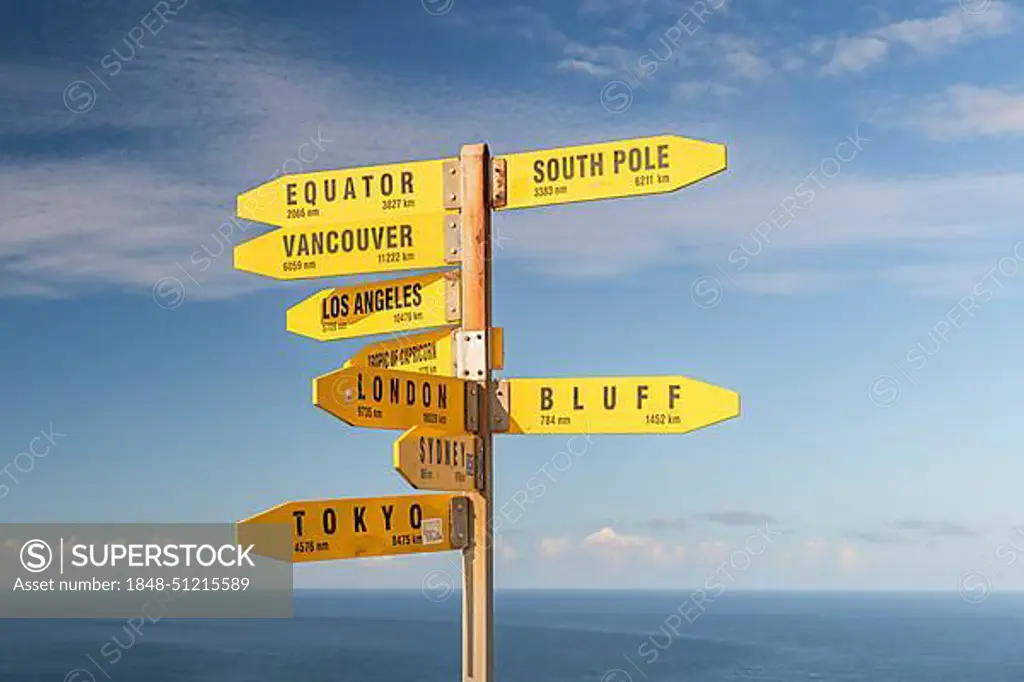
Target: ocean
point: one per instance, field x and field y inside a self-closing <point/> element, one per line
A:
<point x="372" y="636"/>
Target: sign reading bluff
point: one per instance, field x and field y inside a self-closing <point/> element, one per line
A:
<point x="347" y="194"/>
<point x="305" y="251"/>
<point x="378" y="307"/>
<point x="429" y="459"/>
<point x="385" y="399"/>
<point x="361" y="527"/>
<point x="607" y="170"/>
<point x="615" y="405"/>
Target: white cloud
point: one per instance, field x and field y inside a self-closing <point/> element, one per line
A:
<point x="583" y="66"/>
<point x="849" y="558"/>
<point x="695" y="90"/>
<point x="553" y="547"/>
<point x="621" y="548"/>
<point x="924" y="36"/>
<point x="856" y="54"/>
<point x="970" y="111"/>
<point x="509" y="553"/>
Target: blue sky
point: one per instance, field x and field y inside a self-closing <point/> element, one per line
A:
<point x="853" y="275"/>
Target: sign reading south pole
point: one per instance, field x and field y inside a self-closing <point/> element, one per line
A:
<point x="384" y="245"/>
<point x="348" y="194"/>
<point x="608" y="170"/>
<point x="385" y="399"/>
<point x="323" y="530"/>
<point x="391" y="305"/>
<point x="429" y="459"/>
<point x="615" y="405"/>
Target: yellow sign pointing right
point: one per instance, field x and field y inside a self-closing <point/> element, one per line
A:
<point x="608" y="170"/>
<point x="615" y="405"/>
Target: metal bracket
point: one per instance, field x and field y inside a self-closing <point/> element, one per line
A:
<point x="451" y="185"/>
<point x="472" y="407"/>
<point x="460" y="513"/>
<point x="470" y="355"/>
<point x="501" y="399"/>
<point x="453" y="238"/>
<point x="478" y="471"/>
<point x="453" y="296"/>
<point x="499" y="183"/>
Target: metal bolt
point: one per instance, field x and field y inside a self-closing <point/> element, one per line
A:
<point x="451" y="197"/>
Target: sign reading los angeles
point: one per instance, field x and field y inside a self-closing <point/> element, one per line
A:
<point x="608" y="170"/>
<point x="430" y="459"/>
<point x="615" y="405"/>
<point x="430" y="352"/>
<point x="348" y="194"/>
<point x="386" y="399"/>
<point x="381" y="307"/>
<point x="315" y="250"/>
<point x="323" y="530"/>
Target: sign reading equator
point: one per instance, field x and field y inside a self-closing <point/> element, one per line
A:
<point x="348" y="194"/>
<point x="615" y="405"/>
<point x="608" y="170"/>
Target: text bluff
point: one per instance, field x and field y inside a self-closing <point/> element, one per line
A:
<point x="610" y="397"/>
<point x="329" y="518"/>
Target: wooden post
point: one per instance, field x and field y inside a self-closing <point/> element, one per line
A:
<point x="478" y="557"/>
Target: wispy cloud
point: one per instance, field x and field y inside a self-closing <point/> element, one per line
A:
<point x="965" y="111"/>
<point x="932" y="528"/>
<point x="737" y="517"/>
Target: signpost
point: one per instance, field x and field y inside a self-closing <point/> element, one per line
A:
<point x="607" y="170"/>
<point x="615" y="405"/>
<point x="303" y="251"/>
<point x="437" y="385"/>
<point x="352" y="194"/>
<point x="390" y="305"/>
<point x="430" y="352"/>
<point x="430" y="459"/>
<point x="323" y="530"/>
<point x="386" y="399"/>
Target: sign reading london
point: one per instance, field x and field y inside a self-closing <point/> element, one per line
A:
<point x="390" y="305"/>
<point x="385" y="399"/>
<point x="348" y="194"/>
<point x="306" y="251"/>
<point x="616" y="405"/>
<point x="362" y="527"/>
<point x="608" y="170"/>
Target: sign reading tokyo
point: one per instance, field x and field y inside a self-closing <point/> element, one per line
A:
<point x="378" y="308"/>
<point x="616" y="405"/>
<point x="305" y="251"/>
<point x="348" y="194"/>
<point x="608" y="170"/>
<point x="386" y="399"/>
<point x="434" y="460"/>
<point x="364" y="527"/>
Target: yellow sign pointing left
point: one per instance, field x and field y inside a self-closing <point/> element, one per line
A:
<point x="306" y="251"/>
<point x="336" y="196"/>
<point x="323" y="530"/>
<point x="391" y="305"/>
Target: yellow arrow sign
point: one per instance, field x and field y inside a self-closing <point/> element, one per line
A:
<point x="608" y="170"/>
<point x="618" y="405"/>
<point x="360" y="527"/>
<point x="382" y="307"/>
<point x="430" y="352"/>
<point x="385" y="399"/>
<point x="430" y="459"/>
<point x="305" y="251"/>
<point x="336" y="196"/>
